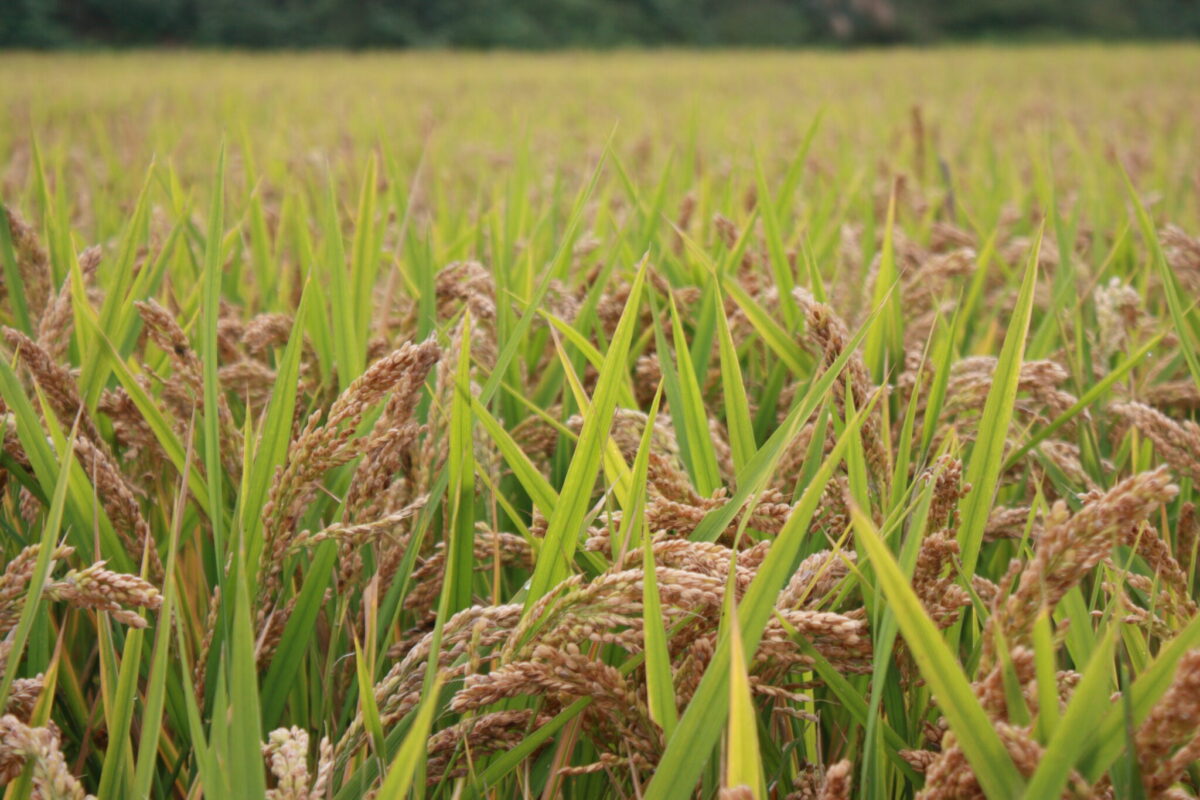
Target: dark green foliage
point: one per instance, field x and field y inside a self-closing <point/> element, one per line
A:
<point x="577" y="23"/>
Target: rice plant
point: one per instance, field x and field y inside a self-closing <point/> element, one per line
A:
<point x="639" y="425"/>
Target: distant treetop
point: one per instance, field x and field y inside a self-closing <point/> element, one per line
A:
<point x="578" y="23"/>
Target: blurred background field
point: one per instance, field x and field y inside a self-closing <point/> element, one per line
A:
<point x="986" y="114"/>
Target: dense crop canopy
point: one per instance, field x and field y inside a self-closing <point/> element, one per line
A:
<point x="631" y="425"/>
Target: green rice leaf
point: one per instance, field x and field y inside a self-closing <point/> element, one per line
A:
<point x="41" y="571"/>
<point x="737" y="410"/>
<point x="744" y="761"/>
<point x="972" y="728"/>
<point x="1088" y="705"/>
<point x="408" y="760"/>
<point x="460" y="542"/>
<point x="987" y="457"/>
<point x="660" y="685"/>
<point x="565" y="525"/>
<point x="211" y="419"/>
<point x="690" y="412"/>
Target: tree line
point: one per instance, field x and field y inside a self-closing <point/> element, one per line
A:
<point x="577" y="23"/>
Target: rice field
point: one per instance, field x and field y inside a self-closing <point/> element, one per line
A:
<point x="634" y="425"/>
